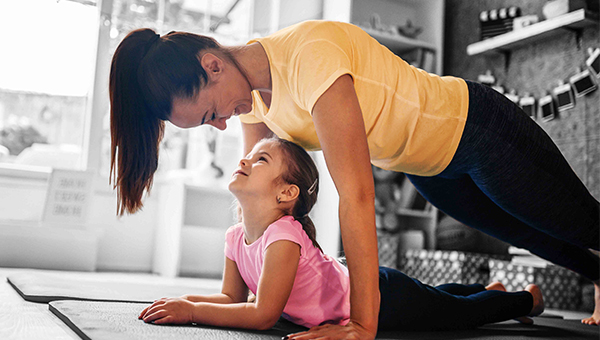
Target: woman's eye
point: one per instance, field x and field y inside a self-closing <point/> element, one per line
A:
<point x="214" y="115"/>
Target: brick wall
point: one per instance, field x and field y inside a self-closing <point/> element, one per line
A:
<point x="535" y="68"/>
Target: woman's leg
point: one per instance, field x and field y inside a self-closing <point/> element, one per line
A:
<point x="407" y="304"/>
<point x="462" y="199"/>
<point x="509" y="180"/>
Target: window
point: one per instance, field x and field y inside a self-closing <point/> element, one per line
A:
<point x="47" y="68"/>
<point x="48" y="73"/>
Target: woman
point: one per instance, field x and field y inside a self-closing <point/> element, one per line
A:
<point x="330" y="86"/>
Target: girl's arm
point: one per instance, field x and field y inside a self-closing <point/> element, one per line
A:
<point x="340" y="127"/>
<point x="274" y="288"/>
<point x="234" y="288"/>
<point x="253" y="133"/>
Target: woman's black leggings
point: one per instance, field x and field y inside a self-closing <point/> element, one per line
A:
<point x="509" y="180"/>
<point x="407" y="304"/>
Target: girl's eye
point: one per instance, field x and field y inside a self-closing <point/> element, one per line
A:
<point x="262" y="159"/>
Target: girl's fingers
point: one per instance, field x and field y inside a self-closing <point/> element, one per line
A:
<point x="165" y="320"/>
<point x="155" y="315"/>
<point x="153" y="307"/>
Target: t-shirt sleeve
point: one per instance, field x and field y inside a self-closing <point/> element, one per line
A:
<point x="230" y="237"/>
<point x="317" y="65"/>
<point x="285" y="230"/>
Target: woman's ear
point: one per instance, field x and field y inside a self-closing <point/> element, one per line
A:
<point x="212" y="64"/>
<point x="289" y="193"/>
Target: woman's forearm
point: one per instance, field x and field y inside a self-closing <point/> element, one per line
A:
<point x="359" y="236"/>
<point x="234" y="315"/>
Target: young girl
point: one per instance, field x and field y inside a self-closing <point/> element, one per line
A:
<point x="274" y="253"/>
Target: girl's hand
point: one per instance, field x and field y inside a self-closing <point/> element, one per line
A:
<point x="169" y="310"/>
<point x="334" y="332"/>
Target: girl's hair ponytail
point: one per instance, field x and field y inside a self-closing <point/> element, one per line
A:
<point x="147" y="72"/>
<point x="301" y="171"/>
<point x="309" y="229"/>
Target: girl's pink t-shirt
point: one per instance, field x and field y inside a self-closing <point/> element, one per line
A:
<point x="321" y="291"/>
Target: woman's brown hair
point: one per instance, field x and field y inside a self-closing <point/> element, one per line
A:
<point x="301" y="171"/>
<point x="147" y="72"/>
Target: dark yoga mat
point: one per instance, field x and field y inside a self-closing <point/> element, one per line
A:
<point x="115" y="321"/>
<point x="45" y="287"/>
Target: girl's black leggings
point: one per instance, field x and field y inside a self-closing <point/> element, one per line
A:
<point x="407" y="304"/>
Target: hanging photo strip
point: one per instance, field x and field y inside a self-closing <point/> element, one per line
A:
<point x="547" y="109"/>
<point x="583" y="83"/>
<point x="527" y="103"/>
<point x="564" y="97"/>
<point x="593" y="61"/>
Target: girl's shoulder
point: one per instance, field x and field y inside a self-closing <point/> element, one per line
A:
<point x="234" y="232"/>
<point x="285" y="228"/>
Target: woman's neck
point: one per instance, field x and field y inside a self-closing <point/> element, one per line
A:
<point x="255" y="64"/>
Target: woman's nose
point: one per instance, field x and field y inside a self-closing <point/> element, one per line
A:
<point x="220" y="124"/>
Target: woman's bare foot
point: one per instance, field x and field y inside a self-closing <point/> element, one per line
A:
<point x="595" y="318"/>
<point x="538" y="300"/>
<point x="497" y="285"/>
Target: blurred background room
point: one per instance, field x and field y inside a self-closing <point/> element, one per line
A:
<point x="58" y="210"/>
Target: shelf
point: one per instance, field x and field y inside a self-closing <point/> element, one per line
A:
<point x="541" y="30"/>
<point x="396" y="42"/>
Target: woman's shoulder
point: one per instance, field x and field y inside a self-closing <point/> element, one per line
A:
<point x="309" y="30"/>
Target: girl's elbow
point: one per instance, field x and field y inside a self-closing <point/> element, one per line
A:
<point x="267" y="322"/>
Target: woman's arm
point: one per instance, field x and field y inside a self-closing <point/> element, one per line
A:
<point x="253" y="133"/>
<point x="340" y="127"/>
<point x="274" y="287"/>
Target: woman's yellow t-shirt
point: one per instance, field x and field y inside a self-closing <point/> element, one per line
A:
<point x="414" y="120"/>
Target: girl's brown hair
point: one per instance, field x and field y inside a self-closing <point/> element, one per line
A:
<point x="301" y="171"/>
<point x="147" y="72"/>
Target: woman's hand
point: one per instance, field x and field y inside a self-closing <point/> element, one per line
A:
<point x="169" y="310"/>
<point x="334" y="332"/>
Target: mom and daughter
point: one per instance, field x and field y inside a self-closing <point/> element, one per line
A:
<point x="328" y="85"/>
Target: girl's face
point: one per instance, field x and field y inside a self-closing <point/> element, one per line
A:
<point x="226" y="94"/>
<point x="256" y="173"/>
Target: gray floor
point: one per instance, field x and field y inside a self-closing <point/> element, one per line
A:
<point x="110" y="320"/>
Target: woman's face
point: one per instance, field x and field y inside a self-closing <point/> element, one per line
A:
<point x="226" y="94"/>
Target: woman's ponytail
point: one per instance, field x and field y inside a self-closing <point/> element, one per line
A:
<point x="147" y="72"/>
<point x="135" y="132"/>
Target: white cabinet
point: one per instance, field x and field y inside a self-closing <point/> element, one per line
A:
<point x="190" y="235"/>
